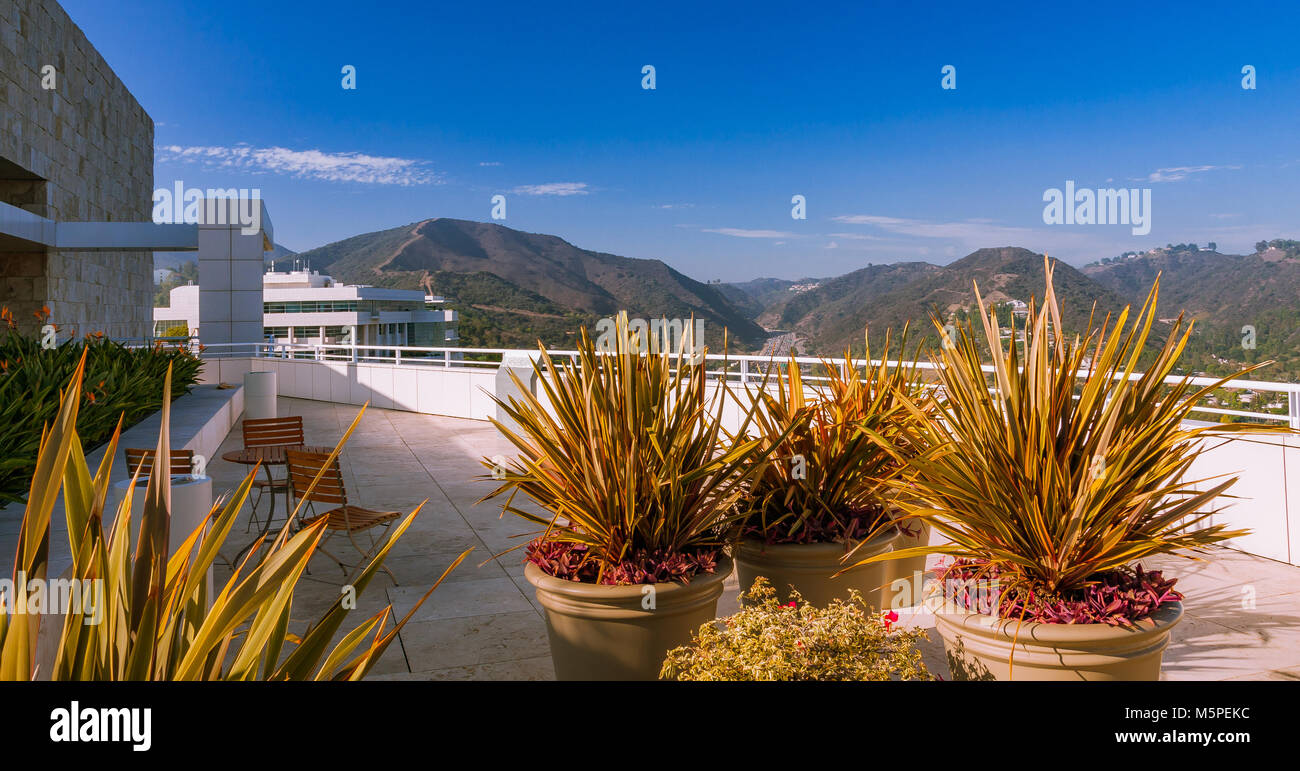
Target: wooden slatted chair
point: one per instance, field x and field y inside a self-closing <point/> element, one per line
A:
<point x="182" y="461"/>
<point x="268" y="432"/>
<point x="344" y="517"/>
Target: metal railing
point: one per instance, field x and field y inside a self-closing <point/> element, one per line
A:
<point x="743" y="369"/>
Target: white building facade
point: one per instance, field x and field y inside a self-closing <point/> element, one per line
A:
<point x="307" y="307"/>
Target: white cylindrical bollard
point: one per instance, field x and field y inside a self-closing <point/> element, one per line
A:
<point x="259" y="395"/>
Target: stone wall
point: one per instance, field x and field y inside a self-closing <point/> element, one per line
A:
<point x="82" y="151"/>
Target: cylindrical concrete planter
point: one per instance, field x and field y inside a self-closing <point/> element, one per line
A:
<point x="259" y="395"/>
<point x="809" y="567"/>
<point x="980" y="647"/>
<point x="622" y="632"/>
<point x="191" y="504"/>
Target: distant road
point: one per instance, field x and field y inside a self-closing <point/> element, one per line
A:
<point x="779" y="344"/>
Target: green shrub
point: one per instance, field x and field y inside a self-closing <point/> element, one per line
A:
<point x="847" y="640"/>
<point x="120" y="382"/>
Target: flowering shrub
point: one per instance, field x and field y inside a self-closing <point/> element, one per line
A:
<point x="119" y="383"/>
<point x="847" y="640"/>
<point x="573" y="562"/>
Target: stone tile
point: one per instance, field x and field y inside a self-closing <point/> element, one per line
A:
<point x="1204" y="650"/>
<point x="421" y="571"/>
<point x="461" y="598"/>
<point x="474" y="640"/>
<point x="540" y="668"/>
<point x="1289" y="675"/>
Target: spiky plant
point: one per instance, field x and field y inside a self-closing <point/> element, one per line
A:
<point x="834" y="451"/>
<point x="633" y="465"/>
<point x="157" y="621"/>
<point x="1065" y="463"/>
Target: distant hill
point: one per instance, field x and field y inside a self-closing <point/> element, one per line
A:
<point x="512" y="287"/>
<point x="1223" y="293"/>
<point x="758" y="295"/>
<point x="836" y="311"/>
<point x="832" y="316"/>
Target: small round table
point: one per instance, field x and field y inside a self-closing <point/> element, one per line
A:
<point x="268" y="455"/>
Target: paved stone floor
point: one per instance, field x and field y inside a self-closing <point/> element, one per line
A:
<point x="483" y="623"/>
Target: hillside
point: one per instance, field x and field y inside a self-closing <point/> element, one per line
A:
<point x="838" y="308"/>
<point x="832" y="316"/>
<point x="1223" y="293"/>
<point x="497" y="276"/>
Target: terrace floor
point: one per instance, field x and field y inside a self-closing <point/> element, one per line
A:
<point x="483" y="623"/>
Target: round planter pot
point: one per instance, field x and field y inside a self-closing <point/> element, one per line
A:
<point x="980" y="647"/>
<point x="809" y="567"/>
<point x="622" y="632"/>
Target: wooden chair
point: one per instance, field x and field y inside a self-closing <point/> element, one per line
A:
<point x="267" y="432"/>
<point x="136" y="457"/>
<point x="344" y="517"/>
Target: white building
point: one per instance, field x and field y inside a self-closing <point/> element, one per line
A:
<point x="304" y="306"/>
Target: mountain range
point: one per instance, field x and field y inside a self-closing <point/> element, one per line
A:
<point x="512" y="288"/>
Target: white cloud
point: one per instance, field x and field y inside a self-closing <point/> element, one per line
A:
<point x="306" y="164"/>
<point x="743" y="233"/>
<point x="1175" y="173"/>
<point x="856" y="237"/>
<point x="553" y="188"/>
<point x="976" y="231"/>
<point x="489" y="163"/>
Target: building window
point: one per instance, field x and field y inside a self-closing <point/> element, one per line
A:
<point x="276" y="332"/>
<point x="311" y="306"/>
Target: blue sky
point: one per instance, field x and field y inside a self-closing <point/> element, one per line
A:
<point x="754" y="103"/>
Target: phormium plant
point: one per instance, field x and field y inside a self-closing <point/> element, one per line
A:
<point x="633" y="468"/>
<point x="833" y="451"/>
<point x="156" y="620"/>
<point x="1065" y="465"/>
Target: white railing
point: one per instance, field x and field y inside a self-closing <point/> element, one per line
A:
<point x="743" y="369"/>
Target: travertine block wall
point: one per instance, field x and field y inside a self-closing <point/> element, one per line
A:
<point x="89" y="144"/>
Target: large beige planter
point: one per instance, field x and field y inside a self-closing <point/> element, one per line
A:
<point x="622" y="632"/>
<point x="979" y="647"/>
<point x="809" y="567"/>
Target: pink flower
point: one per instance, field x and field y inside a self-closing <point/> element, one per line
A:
<point x="890" y="618"/>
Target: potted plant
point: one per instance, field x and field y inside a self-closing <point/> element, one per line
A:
<point x="823" y="496"/>
<point x="771" y="640"/>
<point x="1052" y="475"/>
<point x="624" y="452"/>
